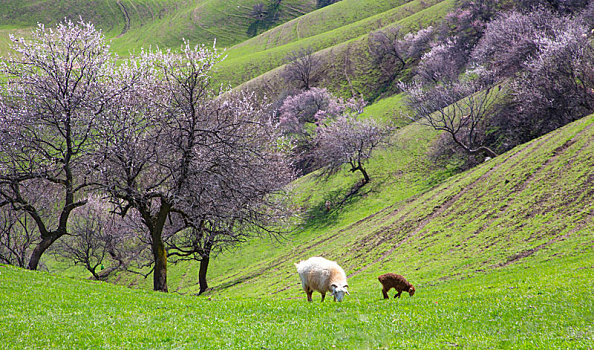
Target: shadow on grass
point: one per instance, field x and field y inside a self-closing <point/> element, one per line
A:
<point x="327" y="211"/>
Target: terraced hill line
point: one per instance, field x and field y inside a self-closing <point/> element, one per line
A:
<point x="126" y="18"/>
<point x="555" y="155"/>
<point x="254" y="67"/>
<point x="511" y="160"/>
<point x="526" y="253"/>
<point x="339" y="14"/>
<point x="464" y="188"/>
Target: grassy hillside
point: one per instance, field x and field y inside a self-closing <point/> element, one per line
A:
<point x="354" y="14"/>
<point x="338" y="32"/>
<point x="530" y="205"/>
<point x="133" y="24"/>
<point x="344" y="52"/>
<point x="203" y="21"/>
<point x="502" y="256"/>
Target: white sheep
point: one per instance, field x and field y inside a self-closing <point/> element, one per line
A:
<point x="319" y="274"/>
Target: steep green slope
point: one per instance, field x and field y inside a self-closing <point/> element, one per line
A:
<point x="530" y="205"/>
<point x="344" y="52"/>
<point x="204" y="21"/>
<point x="345" y="13"/>
<point x="133" y="24"/>
<point x="338" y="32"/>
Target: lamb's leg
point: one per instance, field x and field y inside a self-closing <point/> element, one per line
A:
<point x="323" y="296"/>
<point x="398" y="295"/>
<point x="309" y="293"/>
<point x="385" y="293"/>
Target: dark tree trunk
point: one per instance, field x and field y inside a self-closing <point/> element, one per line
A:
<point x="484" y="149"/>
<point x="365" y="175"/>
<point x="103" y="275"/>
<point x="155" y="225"/>
<point x="45" y="243"/>
<point x="160" y="271"/>
<point x="359" y="167"/>
<point x="202" y="274"/>
<point x="94" y="273"/>
<point x="204" y="261"/>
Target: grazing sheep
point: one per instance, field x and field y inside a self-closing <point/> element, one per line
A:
<point x="319" y="274"/>
<point x="398" y="282"/>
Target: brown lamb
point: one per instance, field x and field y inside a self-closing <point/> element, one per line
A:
<point x="398" y="282"/>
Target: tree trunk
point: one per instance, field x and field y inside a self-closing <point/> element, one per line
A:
<point x="158" y="246"/>
<point x="365" y="176"/>
<point x="469" y="150"/>
<point x="486" y="150"/>
<point x="202" y="274"/>
<point x="45" y="243"/>
<point x="160" y="271"/>
<point x="359" y="167"/>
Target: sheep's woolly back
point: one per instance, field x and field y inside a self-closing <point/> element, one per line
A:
<point x="319" y="274"/>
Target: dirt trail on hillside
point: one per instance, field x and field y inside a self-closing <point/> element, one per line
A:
<point x="126" y="17"/>
<point x="516" y="158"/>
<point x="587" y="222"/>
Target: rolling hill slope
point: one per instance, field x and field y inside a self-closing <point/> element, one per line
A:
<point x="501" y="256"/>
<point x="339" y="33"/>
<point x="343" y="51"/>
<point x="532" y="204"/>
<point x="133" y="24"/>
<point x="354" y="14"/>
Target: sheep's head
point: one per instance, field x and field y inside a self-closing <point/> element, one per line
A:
<point x="339" y="291"/>
<point x="411" y="290"/>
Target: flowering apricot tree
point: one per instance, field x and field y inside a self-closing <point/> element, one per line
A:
<point x="55" y="90"/>
<point x="184" y="154"/>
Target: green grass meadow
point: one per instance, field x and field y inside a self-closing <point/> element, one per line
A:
<point x="501" y="255"/>
<point x="542" y="304"/>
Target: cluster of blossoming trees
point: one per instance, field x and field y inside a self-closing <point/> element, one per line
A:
<point x="106" y="157"/>
<point x="131" y="162"/>
<point x="494" y="74"/>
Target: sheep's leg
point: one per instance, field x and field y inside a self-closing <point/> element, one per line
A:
<point x="385" y="293"/>
<point x="398" y="295"/>
<point x="309" y="293"/>
<point x="323" y="297"/>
